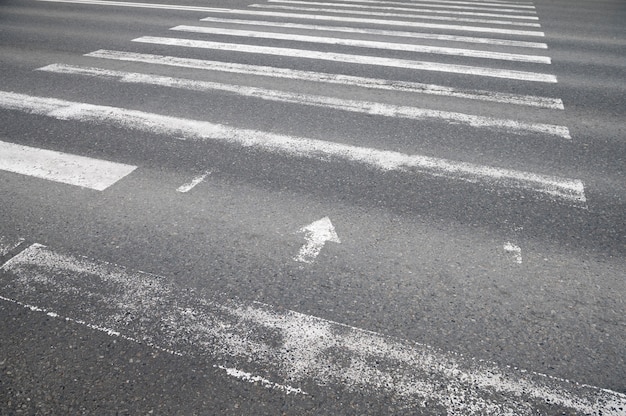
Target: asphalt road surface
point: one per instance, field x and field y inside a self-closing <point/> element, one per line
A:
<point x="313" y="207"/>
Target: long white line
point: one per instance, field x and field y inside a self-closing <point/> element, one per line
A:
<point x="302" y="349"/>
<point x="470" y="53"/>
<point x="517" y="5"/>
<point x="380" y="32"/>
<point x="348" y="80"/>
<point x="406" y="9"/>
<point x="570" y="191"/>
<point x="389" y="14"/>
<point x="386" y="22"/>
<point x="353" y="59"/>
<point x="400" y="3"/>
<point x="55" y="166"/>
<point x="364" y="107"/>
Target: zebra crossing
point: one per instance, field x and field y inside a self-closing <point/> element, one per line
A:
<point x="345" y="25"/>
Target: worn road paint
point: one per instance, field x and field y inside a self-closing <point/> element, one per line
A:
<point x="513" y="4"/>
<point x="300" y="16"/>
<point x="515" y="250"/>
<point x="500" y="9"/>
<point x="437" y="50"/>
<point x="195" y="181"/>
<point x="348" y="80"/>
<point x="571" y="191"/>
<point x="401" y="15"/>
<point x="415" y="8"/>
<point x="55" y="166"/>
<point x="251" y="378"/>
<point x="7" y="245"/>
<point x="352" y="59"/>
<point x="379" y="32"/>
<point x="316" y="234"/>
<point x="284" y="345"/>
<point x="364" y="107"/>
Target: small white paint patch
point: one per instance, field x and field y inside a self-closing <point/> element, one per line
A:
<point x="366" y="107"/>
<point x="250" y="378"/>
<point x="316" y="234"/>
<point x="571" y="191"/>
<point x="415" y="8"/>
<point x="380" y="32"/>
<point x="285" y="345"/>
<point x="55" y="166"/>
<point x="6" y="245"/>
<point x="437" y="50"/>
<point x="195" y="181"/>
<point x="515" y="250"/>
<point x="353" y="59"/>
<point x="362" y="82"/>
<point x="401" y="15"/>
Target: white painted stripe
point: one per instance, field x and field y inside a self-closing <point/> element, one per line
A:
<point x="302" y="350"/>
<point x="380" y="32"/>
<point x="250" y="378"/>
<point x="193" y="183"/>
<point x="441" y="6"/>
<point x="469" y="53"/>
<point x="348" y="80"/>
<point x="353" y="59"/>
<point x="365" y="107"/>
<point x="389" y="14"/>
<point x="6" y="245"/>
<point x="406" y="9"/>
<point x="560" y="189"/>
<point x="70" y="169"/>
<point x="517" y="5"/>
<point x="515" y="250"/>
<point x="386" y="22"/>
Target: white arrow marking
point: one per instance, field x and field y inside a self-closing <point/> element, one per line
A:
<point x="317" y="234"/>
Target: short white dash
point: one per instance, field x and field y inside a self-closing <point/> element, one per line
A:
<point x="190" y="185"/>
<point x="250" y="378"/>
<point x="515" y="250"/>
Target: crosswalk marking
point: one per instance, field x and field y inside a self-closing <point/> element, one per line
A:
<point x="302" y="349"/>
<point x="408" y="9"/>
<point x="445" y="6"/>
<point x="55" y="166"/>
<point x="391" y="14"/>
<point x="365" y="107"/>
<point x="380" y="32"/>
<point x="570" y="191"/>
<point x="383" y="84"/>
<point x="470" y="53"/>
<point x="353" y="59"/>
<point x="517" y="5"/>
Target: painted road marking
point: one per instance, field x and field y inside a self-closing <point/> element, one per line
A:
<point x="302" y="350"/>
<point x="352" y="59"/>
<point x="571" y="191"/>
<point x="364" y="107"/>
<point x="469" y="53"/>
<point x="302" y="16"/>
<point x="383" y="84"/>
<point x="518" y="5"/>
<point x="391" y="14"/>
<point x="379" y="32"/>
<point x="250" y="378"/>
<point x="7" y="245"/>
<point x="316" y="234"/>
<point x="414" y="9"/>
<point x="60" y="167"/>
<point x="192" y="184"/>
<point x="515" y="250"/>
<point x="500" y="9"/>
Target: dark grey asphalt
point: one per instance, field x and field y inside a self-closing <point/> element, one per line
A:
<point x="421" y="258"/>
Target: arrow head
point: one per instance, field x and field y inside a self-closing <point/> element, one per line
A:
<point x="321" y="231"/>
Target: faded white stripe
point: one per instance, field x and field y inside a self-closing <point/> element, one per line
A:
<point x="560" y="189"/>
<point x="193" y="183"/>
<point x="70" y="169"/>
<point x="365" y="107"/>
<point x="251" y="378"/>
<point x="389" y="14"/>
<point x="353" y="59"/>
<point x="303" y="349"/>
<point x="516" y="5"/>
<point x="348" y="80"/>
<point x="407" y="9"/>
<point x="6" y="245"/>
<point x="441" y="6"/>
<point x="386" y="22"/>
<point x="469" y="53"/>
<point x="381" y="32"/>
